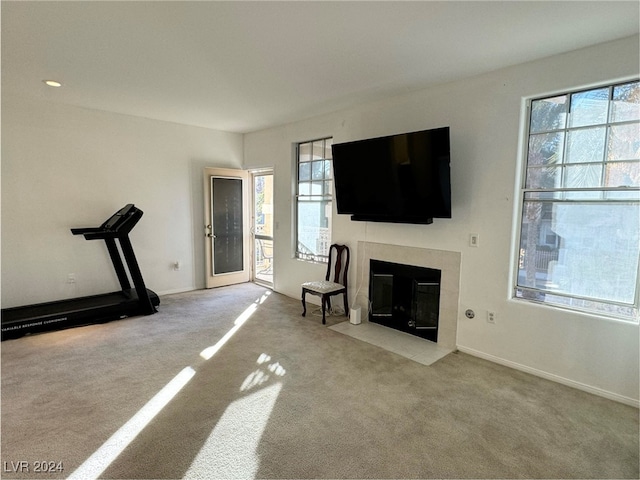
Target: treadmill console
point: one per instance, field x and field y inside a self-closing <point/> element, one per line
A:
<point x="122" y="218"/>
<point x="117" y="226"/>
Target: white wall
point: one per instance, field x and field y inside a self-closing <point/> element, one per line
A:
<point x="484" y="114"/>
<point x="66" y="167"/>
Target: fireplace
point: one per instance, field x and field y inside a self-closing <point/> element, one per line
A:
<point x="405" y="297"/>
<point x="446" y="262"/>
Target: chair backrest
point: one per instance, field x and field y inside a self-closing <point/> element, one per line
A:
<point x="338" y="264"/>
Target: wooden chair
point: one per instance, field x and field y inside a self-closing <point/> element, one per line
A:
<point x="325" y="289"/>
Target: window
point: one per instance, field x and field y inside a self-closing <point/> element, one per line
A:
<point x="314" y="196"/>
<point x="580" y="218"/>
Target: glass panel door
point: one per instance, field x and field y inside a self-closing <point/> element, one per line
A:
<point x="263" y="228"/>
<point x="226" y="226"/>
<point x="227" y="209"/>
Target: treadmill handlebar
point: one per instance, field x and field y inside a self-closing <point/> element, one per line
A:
<point x="82" y="231"/>
<point x="118" y="225"/>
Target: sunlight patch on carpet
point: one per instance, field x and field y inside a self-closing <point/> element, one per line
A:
<point x="231" y="449"/>
<point x="260" y="376"/>
<point x="114" y="446"/>
<point x="209" y="352"/>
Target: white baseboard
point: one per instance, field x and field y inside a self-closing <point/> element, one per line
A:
<point x="176" y="290"/>
<point x="550" y="376"/>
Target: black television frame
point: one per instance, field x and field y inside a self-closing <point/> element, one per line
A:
<point x="410" y="181"/>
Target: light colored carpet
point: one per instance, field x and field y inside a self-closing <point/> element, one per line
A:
<point x="254" y="390"/>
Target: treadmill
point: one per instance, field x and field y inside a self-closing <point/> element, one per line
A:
<point x="73" y="312"/>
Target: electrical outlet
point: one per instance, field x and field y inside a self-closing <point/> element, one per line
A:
<point x="473" y="239"/>
<point x="71" y="278"/>
<point x="491" y="317"/>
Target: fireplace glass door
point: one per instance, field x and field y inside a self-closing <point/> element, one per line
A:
<point x="382" y="295"/>
<point x="405" y="297"/>
<point x="426" y="304"/>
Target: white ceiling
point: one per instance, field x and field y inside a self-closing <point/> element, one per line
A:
<point x="243" y="66"/>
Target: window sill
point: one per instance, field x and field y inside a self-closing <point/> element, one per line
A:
<point x="575" y="311"/>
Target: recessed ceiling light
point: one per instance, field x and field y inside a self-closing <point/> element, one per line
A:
<point x="52" y="83"/>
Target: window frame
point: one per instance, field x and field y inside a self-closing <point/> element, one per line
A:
<point x="557" y="196"/>
<point x="326" y="196"/>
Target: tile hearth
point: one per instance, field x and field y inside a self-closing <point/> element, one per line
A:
<point x="409" y="346"/>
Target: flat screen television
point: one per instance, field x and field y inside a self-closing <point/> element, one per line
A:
<point x="401" y="178"/>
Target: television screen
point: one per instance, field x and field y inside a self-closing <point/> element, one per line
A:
<point x="399" y="178"/>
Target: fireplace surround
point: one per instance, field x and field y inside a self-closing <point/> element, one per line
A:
<point x="446" y="261"/>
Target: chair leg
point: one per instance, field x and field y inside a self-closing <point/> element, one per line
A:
<point x="304" y="304"/>
<point x="324" y="301"/>
<point x="346" y="304"/>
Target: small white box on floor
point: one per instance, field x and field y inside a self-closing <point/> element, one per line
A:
<point x="354" y="316"/>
